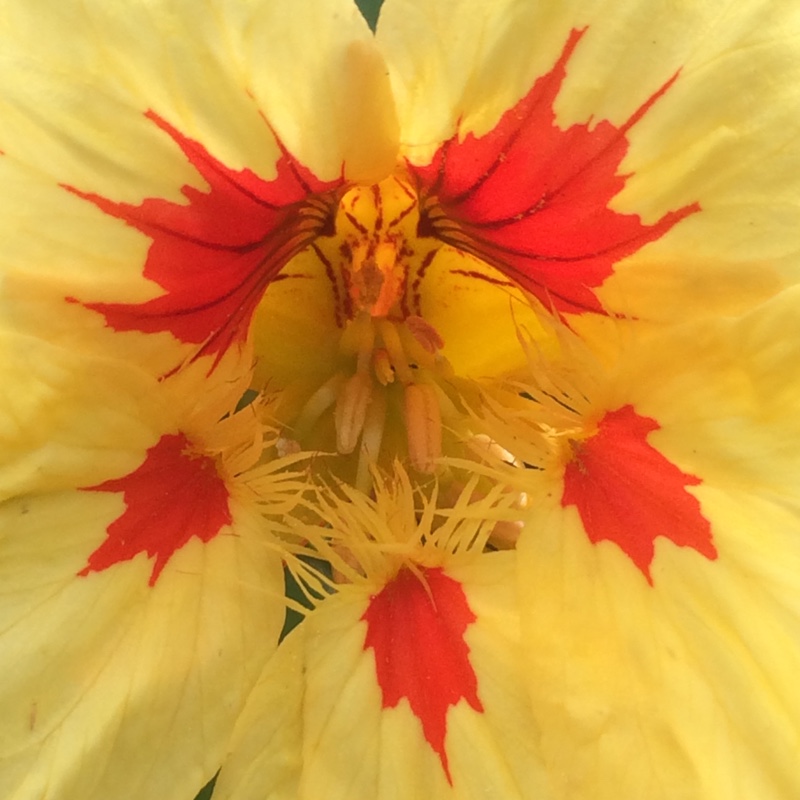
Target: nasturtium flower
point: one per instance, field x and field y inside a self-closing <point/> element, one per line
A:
<point x="482" y="326"/>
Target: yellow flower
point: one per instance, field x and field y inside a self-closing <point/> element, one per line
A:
<point x="478" y="312"/>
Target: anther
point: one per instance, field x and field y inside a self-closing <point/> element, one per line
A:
<point x="351" y="411"/>
<point x="394" y="348"/>
<point x="423" y="426"/>
<point x="382" y="366"/>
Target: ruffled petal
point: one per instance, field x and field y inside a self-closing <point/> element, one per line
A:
<point x="140" y="597"/>
<point x="388" y="691"/>
<point x="187" y="142"/>
<point x="620" y="166"/>
<point x="692" y="669"/>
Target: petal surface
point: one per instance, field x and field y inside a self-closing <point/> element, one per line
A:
<point x="532" y="199"/>
<point x="337" y="695"/>
<point x="125" y="664"/>
<point x="203" y="143"/>
<point x="457" y="68"/>
<point x="692" y="670"/>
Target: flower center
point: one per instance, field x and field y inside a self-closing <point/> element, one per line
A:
<point x="383" y="394"/>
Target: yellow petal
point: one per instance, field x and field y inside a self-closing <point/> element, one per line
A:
<point x="203" y="142"/>
<point x="352" y="745"/>
<point x="60" y="409"/>
<point x="105" y="673"/>
<point x="693" y="671"/>
<point x="677" y="82"/>
<point x="477" y="312"/>
<point x="332" y="102"/>
<point x="110" y="659"/>
<point x="458" y="66"/>
<point x="684" y="688"/>
<point x="73" y="103"/>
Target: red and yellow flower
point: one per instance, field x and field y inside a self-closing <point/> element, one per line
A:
<point x="481" y="326"/>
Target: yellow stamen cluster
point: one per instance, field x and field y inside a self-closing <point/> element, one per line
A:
<point x="368" y="539"/>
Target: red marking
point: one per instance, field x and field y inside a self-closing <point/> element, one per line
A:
<point x="532" y="199"/>
<point x="416" y="628"/>
<point x="215" y="255"/>
<point x="174" y="495"/>
<point x="480" y="276"/>
<point x="629" y="493"/>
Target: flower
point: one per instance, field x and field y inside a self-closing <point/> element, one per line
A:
<point x="459" y="324"/>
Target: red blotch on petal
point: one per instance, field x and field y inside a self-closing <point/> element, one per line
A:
<point x="174" y="495"/>
<point x="215" y="255"/>
<point x="416" y="626"/>
<point x="532" y="199"/>
<point x="629" y="493"/>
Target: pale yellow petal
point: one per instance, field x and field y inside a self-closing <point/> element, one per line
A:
<point x="333" y="96"/>
<point x="456" y="66"/>
<point x="144" y="144"/>
<point x="684" y="688"/>
<point x="79" y="77"/>
<point x="111" y="662"/>
<point x="264" y="758"/>
<point x="721" y="139"/>
<point x="725" y="395"/>
<point x="322" y="731"/>
<point x="60" y="410"/>
<point x="693" y="672"/>
<point x="113" y="688"/>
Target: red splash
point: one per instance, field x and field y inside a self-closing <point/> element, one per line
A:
<point x="532" y="199"/>
<point x="629" y="493"/>
<point x="174" y="495"/>
<point x="416" y="627"/>
<point x="215" y="255"/>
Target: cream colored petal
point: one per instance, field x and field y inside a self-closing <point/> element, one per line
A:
<point x="684" y="688"/>
<point x="113" y="688"/>
<point x="725" y="394"/>
<point x="118" y="681"/>
<point x="693" y="673"/>
<point x="723" y="135"/>
<point x="458" y="65"/>
<point x="175" y="141"/>
<point x="321" y="693"/>
<point x="78" y="79"/>
<point x="334" y="98"/>
<point x="59" y="410"/>
<point x="265" y="755"/>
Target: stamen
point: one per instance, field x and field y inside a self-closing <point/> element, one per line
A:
<point x="371" y="439"/>
<point x="351" y="411"/>
<point x="504" y="535"/>
<point x="382" y="366"/>
<point x="319" y="403"/>
<point x="368" y="262"/>
<point x="394" y="347"/>
<point x="423" y="426"/>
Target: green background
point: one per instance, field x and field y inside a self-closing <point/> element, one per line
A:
<point x="370" y="9"/>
